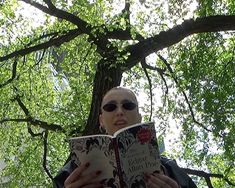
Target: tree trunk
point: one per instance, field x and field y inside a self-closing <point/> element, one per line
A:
<point x="106" y="77"/>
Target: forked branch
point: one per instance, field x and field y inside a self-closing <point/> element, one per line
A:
<point x="184" y="94"/>
<point x="31" y="120"/>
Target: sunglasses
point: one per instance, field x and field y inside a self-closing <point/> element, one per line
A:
<point x="110" y="107"/>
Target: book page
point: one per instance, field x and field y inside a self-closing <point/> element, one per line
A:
<point x="99" y="152"/>
<point x="138" y="153"/>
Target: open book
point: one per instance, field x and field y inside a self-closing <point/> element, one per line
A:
<point x="123" y="158"/>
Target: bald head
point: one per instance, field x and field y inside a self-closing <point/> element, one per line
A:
<point x="122" y="89"/>
<point x="119" y="109"/>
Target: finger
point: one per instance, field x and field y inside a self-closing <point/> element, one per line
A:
<point x="151" y="184"/>
<point x="164" y="181"/>
<point x="87" y="179"/>
<point x="90" y="178"/>
<point x="154" y="182"/>
<point x="76" y="173"/>
<point x="94" y="185"/>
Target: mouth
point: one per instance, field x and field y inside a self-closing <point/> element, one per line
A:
<point x="120" y="122"/>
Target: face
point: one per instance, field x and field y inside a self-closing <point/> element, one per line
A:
<point x="119" y="109"/>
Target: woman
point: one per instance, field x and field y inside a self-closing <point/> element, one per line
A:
<point x="119" y="108"/>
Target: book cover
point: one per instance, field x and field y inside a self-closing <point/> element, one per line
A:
<point x="123" y="158"/>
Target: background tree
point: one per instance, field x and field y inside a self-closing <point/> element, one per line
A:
<point x="58" y="58"/>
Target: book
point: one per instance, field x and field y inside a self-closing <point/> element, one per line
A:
<point x="123" y="158"/>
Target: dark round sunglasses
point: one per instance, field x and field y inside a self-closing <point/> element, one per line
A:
<point x="111" y="106"/>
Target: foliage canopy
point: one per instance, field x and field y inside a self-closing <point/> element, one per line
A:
<point x="58" y="58"/>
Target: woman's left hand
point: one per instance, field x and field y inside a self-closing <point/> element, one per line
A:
<point x="160" y="181"/>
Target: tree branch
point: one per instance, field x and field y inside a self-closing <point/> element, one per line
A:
<point x="13" y="76"/>
<point x="83" y="27"/>
<point x="121" y="34"/>
<point x="143" y="63"/>
<point x="35" y="122"/>
<point x="14" y="65"/>
<point x="45" y="155"/>
<point x="161" y="72"/>
<point x="32" y="121"/>
<point x="176" y="34"/>
<point x="22" y="106"/>
<point x="41" y="58"/>
<point x="126" y="11"/>
<point x="207" y="175"/>
<point x="184" y="94"/>
<point x="52" y="42"/>
<point x="30" y="131"/>
<point x="100" y="39"/>
<point x="50" y="4"/>
<point x="53" y="11"/>
<point x="46" y="35"/>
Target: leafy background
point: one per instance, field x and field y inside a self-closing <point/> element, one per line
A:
<point x="57" y="59"/>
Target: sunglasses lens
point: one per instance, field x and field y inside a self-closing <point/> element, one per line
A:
<point x="129" y="106"/>
<point x="109" y="107"/>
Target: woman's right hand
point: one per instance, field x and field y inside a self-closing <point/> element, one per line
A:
<point x="76" y="179"/>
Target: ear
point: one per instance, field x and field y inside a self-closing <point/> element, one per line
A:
<point x="101" y="120"/>
<point x="139" y="117"/>
<point x="101" y="127"/>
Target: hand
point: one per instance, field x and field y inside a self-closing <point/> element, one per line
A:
<point x="160" y="181"/>
<point x="77" y="180"/>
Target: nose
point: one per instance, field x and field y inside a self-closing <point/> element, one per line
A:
<point x="119" y="111"/>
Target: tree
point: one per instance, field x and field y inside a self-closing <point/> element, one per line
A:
<point x="57" y="65"/>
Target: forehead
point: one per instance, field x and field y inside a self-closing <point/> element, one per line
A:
<point x="119" y="95"/>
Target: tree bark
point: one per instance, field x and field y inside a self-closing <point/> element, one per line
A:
<point x="106" y="77"/>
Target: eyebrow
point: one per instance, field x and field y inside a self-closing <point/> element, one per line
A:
<point x="112" y="102"/>
<point x="126" y="100"/>
<point x="122" y="101"/>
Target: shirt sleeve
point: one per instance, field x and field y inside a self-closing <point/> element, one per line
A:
<point x="176" y="173"/>
<point x="59" y="179"/>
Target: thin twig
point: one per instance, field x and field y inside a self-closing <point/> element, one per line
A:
<point x="161" y="72"/>
<point x="41" y="58"/>
<point x="184" y="94"/>
<point x="150" y="88"/>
